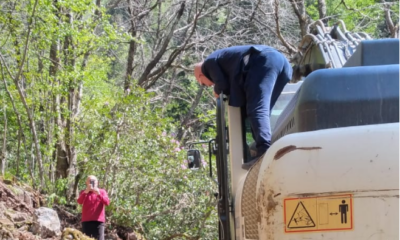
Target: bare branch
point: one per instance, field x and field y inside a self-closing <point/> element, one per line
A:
<point x="342" y="2"/>
<point x="28" y="35"/>
<point x="394" y="30"/>
<point x="188" y="115"/>
<point x="299" y="10"/>
<point x="289" y="47"/>
<point x="160" y="53"/>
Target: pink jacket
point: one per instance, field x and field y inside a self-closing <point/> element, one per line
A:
<point x="93" y="208"/>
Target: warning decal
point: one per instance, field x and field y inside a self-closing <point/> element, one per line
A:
<point x="301" y="218"/>
<point x="322" y="213"/>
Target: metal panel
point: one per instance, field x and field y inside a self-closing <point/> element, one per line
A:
<point x="362" y="161"/>
<point x="249" y="210"/>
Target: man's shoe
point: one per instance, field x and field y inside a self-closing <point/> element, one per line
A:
<point x="249" y="164"/>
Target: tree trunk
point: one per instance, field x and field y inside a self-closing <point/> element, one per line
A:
<point x="394" y="30"/>
<point x="18" y="79"/>
<point x="60" y="147"/>
<point x="132" y="48"/>
<point x="129" y="66"/>
<point x="3" y="159"/>
<point x="66" y="154"/>
<point x="18" y="152"/>
<point x="300" y="11"/>
<point x="32" y="126"/>
<point x="54" y="119"/>
<point x="322" y="11"/>
<point x="20" y="130"/>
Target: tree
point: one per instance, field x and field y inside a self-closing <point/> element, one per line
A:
<point x="55" y="66"/>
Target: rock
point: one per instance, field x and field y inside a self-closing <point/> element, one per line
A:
<point x="26" y="236"/>
<point x="18" y="192"/>
<point x="6" y="223"/>
<point x="112" y="236"/>
<point x="8" y="182"/>
<point x="135" y="236"/>
<point x="3" y="209"/>
<point x="24" y="228"/>
<point x="18" y="217"/>
<point x="73" y="234"/>
<point x="46" y="223"/>
<point x="6" y="234"/>
<point x="22" y="195"/>
<point x="6" y="229"/>
<point x="28" y="199"/>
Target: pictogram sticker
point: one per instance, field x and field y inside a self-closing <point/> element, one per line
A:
<point x="301" y="218"/>
<point x="322" y="213"/>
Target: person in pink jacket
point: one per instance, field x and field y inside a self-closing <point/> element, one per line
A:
<point x="93" y="201"/>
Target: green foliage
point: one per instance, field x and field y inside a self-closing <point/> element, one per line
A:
<point x="119" y="137"/>
<point x="358" y="15"/>
<point x="55" y="199"/>
<point x="142" y="166"/>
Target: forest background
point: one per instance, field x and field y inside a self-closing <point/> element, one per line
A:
<point x="106" y="87"/>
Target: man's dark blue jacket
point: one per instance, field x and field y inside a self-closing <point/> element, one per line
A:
<point x="226" y="69"/>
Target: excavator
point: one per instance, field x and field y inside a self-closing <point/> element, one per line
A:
<point x="332" y="171"/>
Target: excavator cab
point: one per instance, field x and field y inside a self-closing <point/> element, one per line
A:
<point x="332" y="169"/>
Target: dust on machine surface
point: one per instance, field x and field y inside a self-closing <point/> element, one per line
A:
<point x="332" y="170"/>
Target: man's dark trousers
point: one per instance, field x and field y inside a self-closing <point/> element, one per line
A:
<point x="266" y="74"/>
<point x="93" y="229"/>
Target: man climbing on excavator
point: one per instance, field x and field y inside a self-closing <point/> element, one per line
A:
<point x="253" y="76"/>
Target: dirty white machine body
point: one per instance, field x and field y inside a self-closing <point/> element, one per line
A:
<point x="317" y="171"/>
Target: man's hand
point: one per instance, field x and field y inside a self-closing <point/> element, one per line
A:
<point x="216" y="95"/>
<point x="96" y="190"/>
<point x="88" y="189"/>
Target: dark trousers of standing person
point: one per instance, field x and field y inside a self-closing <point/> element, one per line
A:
<point x="266" y="74"/>
<point x="93" y="229"/>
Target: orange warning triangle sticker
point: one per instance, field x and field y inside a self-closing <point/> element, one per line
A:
<point x="301" y="218"/>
